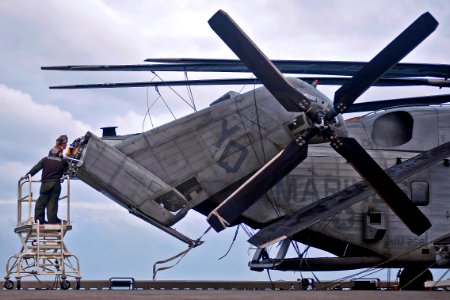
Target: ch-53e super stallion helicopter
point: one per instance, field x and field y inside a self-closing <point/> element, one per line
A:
<point x="282" y="159"/>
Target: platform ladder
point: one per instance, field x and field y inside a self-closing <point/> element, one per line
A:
<point x="43" y="251"/>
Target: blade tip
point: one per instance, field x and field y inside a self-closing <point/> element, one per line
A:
<point x="264" y="243"/>
<point x="215" y="221"/>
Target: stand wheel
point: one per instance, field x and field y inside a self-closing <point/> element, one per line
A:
<point x="78" y="284"/>
<point x="8" y="284"/>
<point x="65" y="284"/>
<point x="18" y="284"/>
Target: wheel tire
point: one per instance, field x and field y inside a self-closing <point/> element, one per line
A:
<point x="407" y="281"/>
<point x="18" y="284"/>
<point x="65" y="284"/>
<point x="8" y="284"/>
<point x="78" y="284"/>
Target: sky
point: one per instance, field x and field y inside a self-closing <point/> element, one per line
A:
<point x="106" y="238"/>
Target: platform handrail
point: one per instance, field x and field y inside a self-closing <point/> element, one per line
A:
<point x="28" y="199"/>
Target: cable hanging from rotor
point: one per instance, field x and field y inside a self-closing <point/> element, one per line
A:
<point x="272" y="198"/>
<point x="148" y="108"/>
<point x="232" y="242"/>
<point x="151" y="106"/>
<point x="238" y="110"/>
<point x="189" y="91"/>
<point x="180" y="255"/>
<point x="157" y="91"/>
<point x="247" y="230"/>
<point x="302" y="256"/>
<point x="173" y="90"/>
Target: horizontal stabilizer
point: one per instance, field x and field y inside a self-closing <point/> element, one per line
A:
<point x="328" y="206"/>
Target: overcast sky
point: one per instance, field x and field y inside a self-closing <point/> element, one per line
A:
<point x="109" y="241"/>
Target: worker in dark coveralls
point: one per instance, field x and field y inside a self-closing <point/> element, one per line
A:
<point x="53" y="167"/>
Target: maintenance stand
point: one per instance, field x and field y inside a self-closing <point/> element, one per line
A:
<point x="43" y="251"/>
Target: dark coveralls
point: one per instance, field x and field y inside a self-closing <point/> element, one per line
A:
<point x="53" y="168"/>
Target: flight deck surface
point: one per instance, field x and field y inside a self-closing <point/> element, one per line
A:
<point x="221" y="294"/>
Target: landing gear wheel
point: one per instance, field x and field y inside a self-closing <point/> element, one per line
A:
<point x="8" y="284"/>
<point x="18" y="284"/>
<point x="65" y="284"/>
<point x="408" y="280"/>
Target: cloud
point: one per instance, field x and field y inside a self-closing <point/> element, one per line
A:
<point x="29" y="129"/>
<point x="74" y="25"/>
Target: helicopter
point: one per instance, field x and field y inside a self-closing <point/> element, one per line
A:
<point x="371" y="190"/>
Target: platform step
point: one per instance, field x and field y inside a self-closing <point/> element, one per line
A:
<point x="51" y="256"/>
<point x="50" y="265"/>
<point x="45" y="238"/>
<point x="43" y="242"/>
<point x="56" y="247"/>
<point x="49" y="227"/>
<point x="42" y="246"/>
<point x="45" y="233"/>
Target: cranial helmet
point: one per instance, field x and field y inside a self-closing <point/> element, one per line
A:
<point x="62" y="139"/>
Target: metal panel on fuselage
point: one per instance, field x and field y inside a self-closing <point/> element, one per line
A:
<point x="217" y="146"/>
<point x="111" y="172"/>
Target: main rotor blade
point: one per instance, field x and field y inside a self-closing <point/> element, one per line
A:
<point x="341" y="68"/>
<point x="328" y="206"/>
<point x="257" y="185"/>
<point x="242" y="81"/>
<point x="376" y="105"/>
<point x="397" y="200"/>
<point x="198" y="82"/>
<point x="257" y="62"/>
<point x="410" y="38"/>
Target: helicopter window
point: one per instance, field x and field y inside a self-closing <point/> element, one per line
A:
<point x="374" y="226"/>
<point x="392" y="129"/>
<point x="420" y="193"/>
<point x="171" y="201"/>
<point x="425" y="251"/>
<point x="375" y="218"/>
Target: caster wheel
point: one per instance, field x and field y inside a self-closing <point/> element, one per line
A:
<point x="8" y="284"/>
<point x="65" y="284"/>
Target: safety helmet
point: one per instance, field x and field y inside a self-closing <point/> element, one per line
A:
<point x="62" y="139"/>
